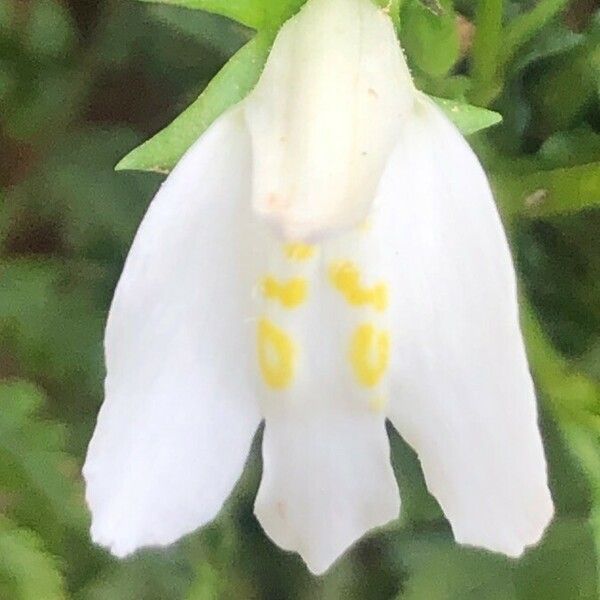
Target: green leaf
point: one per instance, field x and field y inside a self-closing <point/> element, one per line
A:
<point x="276" y="12"/>
<point x="248" y="12"/>
<point x="485" y="51"/>
<point x="526" y="26"/>
<point x="469" y="119"/>
<point x="231" y="85"/>
<point x="568" y="89"/>
<point x="237" y="78"/>
<point x="552" y="192"/>
<point x="461" y="573"/>
<point x="431" y="41"/>
<point x="418" y="506"/>
<point x="26" y="570"/>
<point x="571" y="148"/>
<point x="562" y="567"/>
<point x="258" y="14"/>
<point x="554" y="40"/>
<point x="212" y="31"/>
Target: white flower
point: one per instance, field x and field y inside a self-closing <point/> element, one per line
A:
<point x="326" y="256"/>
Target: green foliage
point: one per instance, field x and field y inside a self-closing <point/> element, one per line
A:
<point x="469" y="119"/>
<point x="523" y="28"/>
<point x="562" y="567"/>
<point x="234" y="81"/>
<point x="430" y="39"/>
<point x="487" y="44"/>
<point x="37" y="496"/>
<point x="434" y="43"/>
<point x="50" y="30"/>
<point x="247" y="12"/>
<point x="551" y="192"/>
<point x="32" y="464"/>
<point x="26" y="570"/>
<point x="258" y="14"/>
<point x="83" y="82"/>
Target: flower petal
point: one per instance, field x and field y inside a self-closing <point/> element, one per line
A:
<point x="322" y="349"/>
<point x="327" y="480"/>
<point x="180" y="409"/>
<point x="462" y="394"/>
<point x="325" y="115"/>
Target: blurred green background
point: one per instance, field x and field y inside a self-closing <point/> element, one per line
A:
<point x="82" y="82"/>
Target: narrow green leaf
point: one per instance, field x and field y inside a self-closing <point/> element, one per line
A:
<point x="279" y="11"/>
<point x="162" y="152"/>
<point x="248" y="12"/>
<point x="259" y="14"/>
<point x="552" y="41"/>
<point x="525" y="27"/>
<point x="469" y="119"/>
<point x="553" y="192"/>
<point x="486" y="50"/>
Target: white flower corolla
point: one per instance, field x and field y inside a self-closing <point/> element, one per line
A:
<point x="326" y="256"/>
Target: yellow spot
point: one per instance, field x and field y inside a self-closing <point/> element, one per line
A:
<point x="366" y="225"/>
<point x="378" y="404"/>
<point x="370" y="354"/>
<point x="291" y="294"/>
<point x="299" y="252"/>
<point x="276" y="355"/>
<point x="345" y="277"/>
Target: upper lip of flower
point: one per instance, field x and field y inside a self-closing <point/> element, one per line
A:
<point x="323" y="125"/>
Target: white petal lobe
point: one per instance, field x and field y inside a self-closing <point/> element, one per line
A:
<point x="325" y="115"/>
<point x="327" y="480"/>
<point x="462" y="394"/>
<point x="180" y="409"/>
<point x="327" y="476"/>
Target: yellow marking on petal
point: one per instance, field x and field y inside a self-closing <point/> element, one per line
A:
<point x="277" y="355"/>
<point x="299" y="252"/>
<point x="345" y="277"/>
<point x="366" y="225"/>
<point x="370" y="354"/>
<point x="291" y="293"/>
<point x="378" y="404"/>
